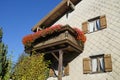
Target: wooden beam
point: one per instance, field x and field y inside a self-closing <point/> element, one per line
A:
<point x="60" y="65"/>
<point x="69" y="3"/>
<point x="50" y="15"/>
<point x="61" y="9"/>
<point x="55" y="56"/>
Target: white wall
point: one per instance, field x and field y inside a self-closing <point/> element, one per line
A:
<point x="106" y="41"/>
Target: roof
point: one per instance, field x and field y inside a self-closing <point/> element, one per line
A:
<point x="55" y="14"/>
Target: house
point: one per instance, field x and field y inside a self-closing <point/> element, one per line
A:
<point x="100" y="22"/>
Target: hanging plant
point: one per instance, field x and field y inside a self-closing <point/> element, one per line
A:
<point x="80" y="35"/>
<point x="42" y="33"/>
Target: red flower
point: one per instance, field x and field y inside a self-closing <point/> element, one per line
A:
<point x="55" y="28"/>
<point x="80" y="35"/>
<point x="31" y="37"/>
<point x="28" y="38"/>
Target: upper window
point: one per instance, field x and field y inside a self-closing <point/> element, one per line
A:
<point x="94" y="24"/>
<point x="97" y="64"/>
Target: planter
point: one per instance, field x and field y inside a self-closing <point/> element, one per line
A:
<point x="59" y="41"/>
<point x="64" y="38"/>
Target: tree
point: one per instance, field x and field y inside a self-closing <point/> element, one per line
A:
<point x="31" y="68"/>
<point x="4" y="62"/>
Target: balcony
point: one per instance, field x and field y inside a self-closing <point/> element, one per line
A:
<point x="53" y="39"/>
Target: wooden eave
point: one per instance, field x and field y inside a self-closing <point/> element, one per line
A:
<point x="55" y="14"/>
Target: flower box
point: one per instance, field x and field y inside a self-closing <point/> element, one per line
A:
<point x="53" y="39"/>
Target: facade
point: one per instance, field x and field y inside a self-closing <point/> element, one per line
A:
<point x="102" y="48"/>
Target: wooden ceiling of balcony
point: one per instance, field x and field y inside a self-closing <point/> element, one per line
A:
<point x="69" y="49"/>
<point x="55" y="14"/>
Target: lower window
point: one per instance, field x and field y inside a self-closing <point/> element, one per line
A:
<point x="97" y="64"/>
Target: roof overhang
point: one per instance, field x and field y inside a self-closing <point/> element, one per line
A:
<point x="55" y="14"/>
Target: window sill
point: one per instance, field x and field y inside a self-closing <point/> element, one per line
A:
<point x="97" y="72"/>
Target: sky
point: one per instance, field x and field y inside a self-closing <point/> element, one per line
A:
<point x="17" y="17"/>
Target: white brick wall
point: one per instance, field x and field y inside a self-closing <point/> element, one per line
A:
<point x="106" y="41"/>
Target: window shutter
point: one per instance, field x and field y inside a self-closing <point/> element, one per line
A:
<point x="66" y="70"/>
<point x="85" y="27"/>
<point x="103" y="22"/>
<point x="86" y="65"/>
<point x="51" y="73"/>
<point x="108" y="63"/>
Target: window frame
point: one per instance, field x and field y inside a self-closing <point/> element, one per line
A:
<point x="95" y="27"/>
<point x="100" y="24"/>
<point x="107" y="64"/>
<point x="98" y="63"/>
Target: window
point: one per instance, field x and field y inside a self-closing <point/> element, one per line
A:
<point x="97" y="64"/>
<point x="94" y="24"/>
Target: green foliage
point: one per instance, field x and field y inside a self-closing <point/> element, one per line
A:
<point x="31" y="68"/>
<point x="5" y="63"/>
<point x="1" y="33"/>
<point x="8" y="69"/>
